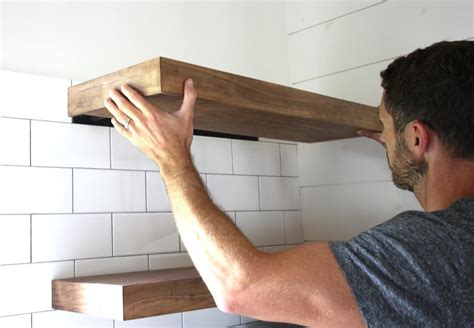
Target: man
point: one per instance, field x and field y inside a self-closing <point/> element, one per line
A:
<point x="413" y="270"/>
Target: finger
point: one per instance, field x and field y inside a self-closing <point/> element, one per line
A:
<point x="136" y="98"/>
<point x="121" y="129"/>
<point x="115" y="111"/>
<point x="124" y="105"/>
<point x="189" y="100"/>
<point x="372" y="135"/>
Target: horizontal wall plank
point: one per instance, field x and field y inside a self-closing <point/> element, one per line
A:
<point x="388" y="30"/>
<point x="303" y="15"/>
<point x="340" y="212"/>
<point x="359" y="84"/>
<point x="342" y="161"/>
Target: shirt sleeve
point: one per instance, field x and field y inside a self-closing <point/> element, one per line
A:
<point x="398" y="272"/>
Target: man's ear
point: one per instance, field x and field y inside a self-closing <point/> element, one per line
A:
<point x="418" y="137"/>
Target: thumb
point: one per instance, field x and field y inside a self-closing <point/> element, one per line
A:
<point x="189" y="100"/>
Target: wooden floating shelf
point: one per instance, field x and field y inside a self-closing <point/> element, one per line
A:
<point x="135" y="295"/>
<point x="229" y="103"/>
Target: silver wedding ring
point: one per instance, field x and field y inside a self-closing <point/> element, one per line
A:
<point x="127" y="123"/>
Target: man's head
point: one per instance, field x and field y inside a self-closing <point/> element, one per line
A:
<point x="428" y="97"/>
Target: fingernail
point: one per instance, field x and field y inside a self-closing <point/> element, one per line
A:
<point x="190" y="82"/>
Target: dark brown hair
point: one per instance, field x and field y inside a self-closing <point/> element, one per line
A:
<point x="435" y="85"/>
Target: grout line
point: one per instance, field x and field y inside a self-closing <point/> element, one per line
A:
<point x="31" y="238"/>
<point x="112" y="232"/>
<point x="344" y="183"/>
<point x="232" y="155"/>
<point x="281" y="162"/>
<point x="110" y="147"/>
<point x="74" y="268"/>
<point x="259" y="196"/>
<point x="72" y="186"/>
<point x="30" y="144"/>
<point x="146" y="193"/>
<point x="284" y="225"/>
<point x="138" y="170"/>
<point x="33" y="119"/>
<point x="342" y="71"/>
<point x="334" y="18"/>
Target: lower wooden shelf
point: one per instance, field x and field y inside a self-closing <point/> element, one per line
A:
<point x="134" y="295"/>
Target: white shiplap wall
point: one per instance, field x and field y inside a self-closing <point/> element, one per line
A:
<point x="338" y="49"/>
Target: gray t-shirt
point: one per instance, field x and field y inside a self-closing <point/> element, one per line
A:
<point x="416" y="269"/>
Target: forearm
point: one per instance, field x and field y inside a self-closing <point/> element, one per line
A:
<point x="222" y="254"/>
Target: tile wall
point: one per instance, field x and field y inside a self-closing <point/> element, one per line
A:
<point x="80" y="200"/>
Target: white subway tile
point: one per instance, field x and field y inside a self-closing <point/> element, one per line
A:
<point x="61" y="319"/>
<point x="212" y="155"/>
<point x="209" y="318"/>
<point x="14" y="239"/>
<point x="279" y="193"/>
<point x="145" y="233"/>
<point x="342" y="211"/>
<point x="33" y="96"/>
<point x="279" y="141"/>
<point x="234" y="192"/>
<point x="354" y="34"/>
<point x="262" y="228"/>
<point x="289" y="160"/>
<point x="35" y="190"/>
<point x="166" y="321"/>
<point x="71" y="236"/>
<point x="108" y="191"/>
<point x="15" y="145"/>
<point x="92" y="267"/>
<point x="293" y="227"/>
<point x="256" y="158"/>
<point x="342" y="161"/>
<point x="170" y="261"/>
<point x="69" y="145"/>
<point x="156" y="195"/>
<point x="303" y="15"/>
<point x="277" y="249"/>
<point x="126" y="156"/>
<point x="16" y="321"/>
<point x="27" y="287"/>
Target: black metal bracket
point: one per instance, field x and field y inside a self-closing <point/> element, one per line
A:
<point x="101" y="121"/>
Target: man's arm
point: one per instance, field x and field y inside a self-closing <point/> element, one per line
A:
<point x="303" y="285"/>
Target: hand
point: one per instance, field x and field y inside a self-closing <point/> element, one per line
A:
<point x="372" y="135"/>
<point x="164" y="137"/>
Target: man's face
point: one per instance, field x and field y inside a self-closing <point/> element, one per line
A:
<point x="406" y="170"/>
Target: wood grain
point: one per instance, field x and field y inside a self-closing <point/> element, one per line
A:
<point x="230" y="103"/>
<point x="128" y="296"/>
